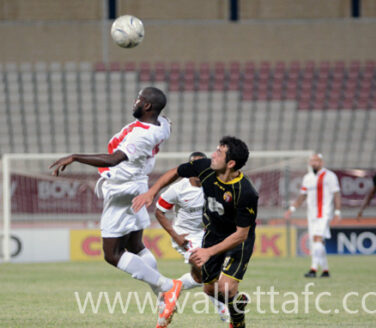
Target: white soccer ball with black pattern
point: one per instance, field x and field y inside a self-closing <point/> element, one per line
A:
<point x="127" y="31"/>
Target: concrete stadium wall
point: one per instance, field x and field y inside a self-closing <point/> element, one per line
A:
<point x="177" y="9"/>
<point x="31" y="10"/>
<point x="368" y="8"/>
<point x="200" y="42"/>
<point x="289" y="9"/>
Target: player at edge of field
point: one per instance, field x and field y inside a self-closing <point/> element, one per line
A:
<point x="229" y="218"/>
<point x="368" y="198"/>
<point x="187" y="231"/>
<point x="321" y="189"/>
<point x="124" y="175"/>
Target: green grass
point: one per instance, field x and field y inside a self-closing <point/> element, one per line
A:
<point x="42" y="295"/>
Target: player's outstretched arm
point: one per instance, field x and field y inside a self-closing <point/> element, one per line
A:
<point x="337" y="206"/>
<point x="367" y="200"/>
<point x="148" y="197"/>
<point x="166" y="224"/>
<point x="97" y="160"/>
<point x="299" y="201"/>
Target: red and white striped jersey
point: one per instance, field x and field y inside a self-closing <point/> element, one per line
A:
<point x="140" y="142"/>
<point x="188" y="201"/>
<point x="320" y="189"/>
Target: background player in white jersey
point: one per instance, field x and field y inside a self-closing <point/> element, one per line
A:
<point x="187" y="230"/>
<point x="124" y="175"/>
<point x="321" y="189"/>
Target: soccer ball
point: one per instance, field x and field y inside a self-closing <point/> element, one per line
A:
<point x="127" y="31"/>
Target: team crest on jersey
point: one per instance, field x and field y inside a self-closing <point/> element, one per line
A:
<point x="227" y="196"/>
<point x="131" y="148"/>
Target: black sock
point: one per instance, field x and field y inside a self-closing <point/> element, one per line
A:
<point x="236" y="306"/>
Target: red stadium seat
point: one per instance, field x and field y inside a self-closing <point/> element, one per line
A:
<point x="175" y="67"/>
<point x="370" y="64"/>
<point x="219" y="85"/>
<point x="204" y="76"/>
<point x="234" y="67"/>
<point x="219" y="67"/>
<point x="204" y="68"/>
<point x="189" y="67"/>
<point x="130" y="66"/>
<point x="100" y="67"/>
<point x="304" y="105"/>
<point x="189" y="77"/>
<point x="145" y="76"/>
<point x="249" y="66"/>
<point x="280" y="67"/>
<point x="277" y="94"/>
<point x="333" y="104"/>
<point x="233" y="85"/>
<point x="347" y="104"/>
<point x="160" y="67"/>
<point x="355" y="64"/>
<point x="174" y="86"/>
<point x="115" y="66"/>
<point x="203" y="85"/>
<point x="144" y="67"/>
<point x="189" y="85"/>
<point x="248" y="93"/>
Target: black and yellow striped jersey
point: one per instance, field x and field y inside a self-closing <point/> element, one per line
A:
<point x="227" y="204"/>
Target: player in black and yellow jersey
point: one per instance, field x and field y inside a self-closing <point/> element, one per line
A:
<point x="229" y="217"/>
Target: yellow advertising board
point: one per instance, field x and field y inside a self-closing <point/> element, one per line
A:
<point x="86" y="245"/>
<point x="273" y="242"/>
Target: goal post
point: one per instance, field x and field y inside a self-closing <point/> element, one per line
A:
<point x="33" y="199"/>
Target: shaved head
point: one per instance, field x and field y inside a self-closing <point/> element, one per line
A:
<point x="316" y="162"/>
<point x="155" y="97"/>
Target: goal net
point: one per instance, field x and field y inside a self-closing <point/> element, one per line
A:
<point x="33" y="199"/>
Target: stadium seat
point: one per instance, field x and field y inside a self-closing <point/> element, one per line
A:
<point x="264" y="102"/>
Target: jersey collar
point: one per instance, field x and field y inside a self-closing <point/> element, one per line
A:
<point x="233" y="180"/>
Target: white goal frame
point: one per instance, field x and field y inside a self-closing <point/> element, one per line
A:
<point x="6" y="172"/>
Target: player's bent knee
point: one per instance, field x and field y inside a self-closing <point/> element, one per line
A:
<point x="209" y="289"/>
<point x="228" y="287"/>
<point x="111" y="259"/>
<point x="196" y="275"/>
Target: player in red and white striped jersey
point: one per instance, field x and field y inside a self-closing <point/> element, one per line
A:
<point x="124" y="175"/>
<point x="320" y="188"/>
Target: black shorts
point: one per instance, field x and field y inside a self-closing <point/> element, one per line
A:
<point x="232" y="263"/>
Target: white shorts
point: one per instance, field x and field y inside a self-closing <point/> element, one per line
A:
<point x="195" y="240"/>
<point x="319" y="227"/>
<point x="118" y="218"/>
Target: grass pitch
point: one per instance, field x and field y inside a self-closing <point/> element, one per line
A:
<point x="43" y="295"/>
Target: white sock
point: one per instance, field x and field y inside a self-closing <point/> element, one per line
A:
<point x="135" y="266"/>
<point x="321" y="254"/>
<point x="219" y="306"/>
<point x="148" y="258"/>
<point x="188" y="281"/>
<point x="315" y="255"/>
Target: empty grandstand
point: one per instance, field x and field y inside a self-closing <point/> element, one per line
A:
<point x="326" y="106"/>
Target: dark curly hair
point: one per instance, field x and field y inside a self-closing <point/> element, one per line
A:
<point x="237" y="151"/>
<point x="196" y="154"/>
